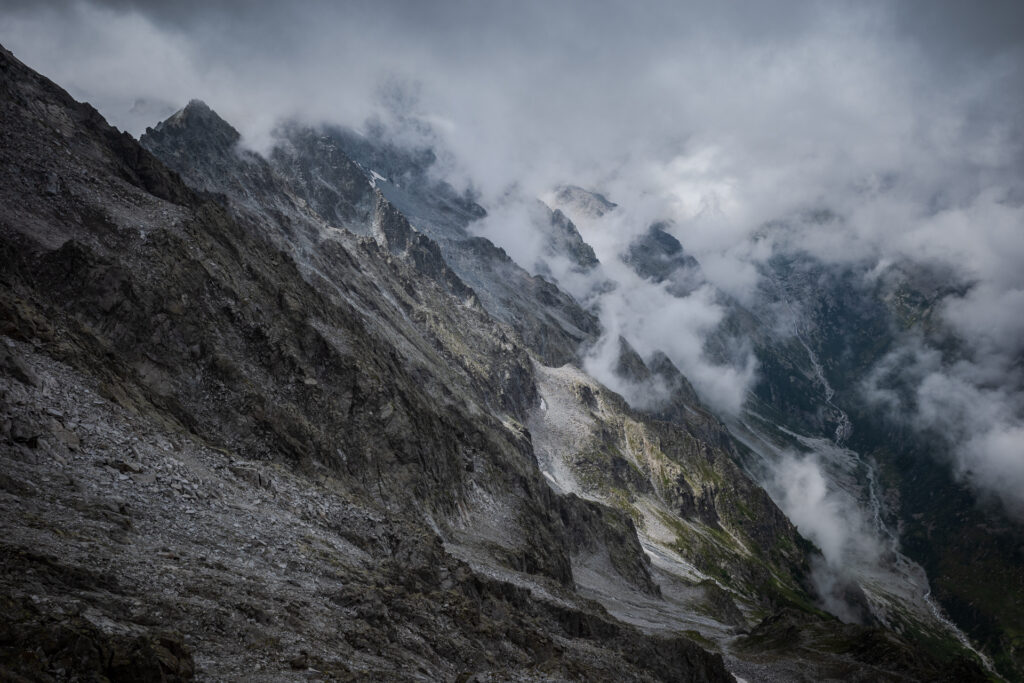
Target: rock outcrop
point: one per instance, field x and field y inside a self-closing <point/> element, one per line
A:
<point x="659" y="256"/>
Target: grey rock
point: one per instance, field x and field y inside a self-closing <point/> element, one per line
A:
<point x="64" y="435"/>
<point x="25" y="433"/>
<point x="630" y="365"/>
<point x="591" y="204"/>
<point x="659" y="256"/>
<point x="14" y="366"/>
<point x="562" y="238"/>
<point x="128" y="466"/>
<point x="52" y="186"/>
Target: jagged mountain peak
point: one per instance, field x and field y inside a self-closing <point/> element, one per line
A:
<point x="658" y="235"/>
<point x="197" y="106"/>
<point x="317" y="176"/>
<point x="659" y="256"/>
<point x="562" y="238"/>
<point x="198" y="120"/>
<point x="658" y="374"/>
<point x="588" y="203"/>
<point x="630" y="365"/>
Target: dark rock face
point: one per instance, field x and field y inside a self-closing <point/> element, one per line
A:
<point x="630" y="365"/>
<point x="317" y="169"/>
<point x="34" y="645"/>
<point x="597" y="528"/>
<point x="563" y="240"/>
<point x="393" y="233"/>
<point x="861" y="646"/>
<point x="581" y="253"/>
<point x="551" y="323"/>
<point x="15" y="367"/>
<point x="679" y="387"/>
<point x="659" y="256"/>
<point x="202" y="125"/>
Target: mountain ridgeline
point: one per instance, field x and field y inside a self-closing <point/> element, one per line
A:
<point x="284" y="416"/>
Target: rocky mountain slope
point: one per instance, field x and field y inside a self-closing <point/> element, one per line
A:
<point x="255" y="425"/>
<point x="818" y="330"/>
<point x="176" y="346"/>
<point x="335" y="176"/>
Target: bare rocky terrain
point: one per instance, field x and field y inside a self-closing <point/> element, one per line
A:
<point x="246" y="438"/>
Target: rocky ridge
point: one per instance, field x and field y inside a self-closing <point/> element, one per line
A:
<point x="552" y="323"/>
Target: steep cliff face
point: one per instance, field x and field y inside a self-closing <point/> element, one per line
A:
<point x="312" y="445"/>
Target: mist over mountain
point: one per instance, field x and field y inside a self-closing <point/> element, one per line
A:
<point x="705" y="280"/>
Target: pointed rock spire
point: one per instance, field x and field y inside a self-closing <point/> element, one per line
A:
<point x="198" y="124"/>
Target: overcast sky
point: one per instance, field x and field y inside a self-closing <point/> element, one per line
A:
<point x="558" y="86"/>
<point x="904" y="117"/>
